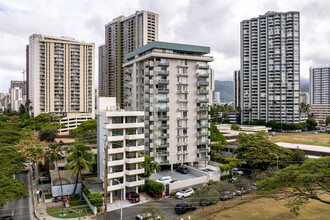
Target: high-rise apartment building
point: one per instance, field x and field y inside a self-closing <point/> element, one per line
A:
<point x="102" y="71"/>
<point x="61" y="77"/>
<point x="237" y="89"/>
<point x="319" y="90"/>
<point x="319" y="85"/>
<point x="304" y="97"/>
<point x="122" y="36"/>
<point x="270" y="67"/>
<point x="122" y="132"/>
<point x="17" y="93"/>
<point x="216" y="98"/>
<point x="171" y="83"/>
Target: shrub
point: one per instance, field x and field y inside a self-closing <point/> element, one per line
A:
<point x="154" y="188"/>
<point x="235" y="127"/>
<point x="48" y="196"/>
<point x="95" y="199"/>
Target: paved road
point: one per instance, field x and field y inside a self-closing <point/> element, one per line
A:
<point x="23" y="208"/>
<point x="167" y="205"/>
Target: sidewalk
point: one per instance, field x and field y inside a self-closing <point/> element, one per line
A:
<point x="40" y="210"/>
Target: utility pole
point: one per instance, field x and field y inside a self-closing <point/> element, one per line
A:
<point x="106" y="183"/>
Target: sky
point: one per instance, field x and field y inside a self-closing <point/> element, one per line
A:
<point x="214" y="23"/>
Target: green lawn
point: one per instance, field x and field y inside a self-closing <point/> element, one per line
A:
<point x="309" y="139"/>
<point x="252" y="207"/>
<point x="70" y="212"/>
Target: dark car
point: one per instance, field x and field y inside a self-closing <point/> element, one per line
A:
<point x="182" y="169"/>
<point x="133" y="197"/>
<point x="7" y="218"/>
<point x="183" y="208"/>
<point x="44" y="180"/>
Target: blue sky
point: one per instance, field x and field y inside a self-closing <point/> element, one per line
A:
<point x="213" y="23"/>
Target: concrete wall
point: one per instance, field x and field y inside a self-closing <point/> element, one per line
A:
<point x="67" y="189"/>
<point x="93" y="208"/>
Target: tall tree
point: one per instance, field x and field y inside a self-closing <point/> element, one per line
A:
<point x="34" y="153"/>
<point x="297" y="184"/>
<point x="152" y="211"/>
<point x="217" y="139"/>
<point x="328" y="120"/>
<point x="149" y="166"/>
<point x="48" y="134"/>
<point x="55" y="154"/>
<point x="80" y="158"/>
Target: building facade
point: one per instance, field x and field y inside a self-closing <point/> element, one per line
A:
<point x="123" y="133"/>
<point x="17" y="93"/>
<point x="216" y="98"/>
<point x="304" y="97"/>
<point x="270" y="67"/>
<point x="102" y="71"/>
<point x="61" y="76"/>
<point x="122" y="36"/>
<point x="319" y="85"/>
<point x="171" y="83"/>
<point x="237" y="89"/>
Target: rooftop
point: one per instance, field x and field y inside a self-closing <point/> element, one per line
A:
<point x="168" y="46"/>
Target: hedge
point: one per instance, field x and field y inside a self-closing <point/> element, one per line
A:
<point x="95" y="199"/>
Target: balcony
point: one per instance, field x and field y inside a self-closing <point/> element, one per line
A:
<point x="163" y="118"/>
<point x="163" y="153"/>
<point x="115" y="175"/>
<point x="134" y="160"/>
<point x="203" y="92"/>
<point x="134" y="148"/>
<point x="163" y="100"/>
<point x="204" y="159"/>
<point x="203" y="101"/>
<point x="147" y="73"/>
<point x="134" y="136"/>
<point x="163" y="136"/>
<point x="114" y="187"/>
<point x="116" y="150"/>
<point x="163" y="91"/>
<point x="116" y="162"/>
<point x="204" y="75"/>
<point x="203" y="108"/>
<point x="203" y="150"/>
<point x="160" y="63"/>
<point x="204" y="134"/>
<point x="162" y="73"/>
<point x="163" y="109"/>
<point x="163" y="127"/>
<point x="203" y="142"/>
<point x="203" y="66"/>
<point x="134" y="172"/>
<point x="203" y="126"/>
<point x="163" y="145"/>
<point x="164" y="162"/>
<point x="125" y="125"/>
<point x="140" y="182"/>
<point x="203" y="117"/>
<point x="163" y="81"/>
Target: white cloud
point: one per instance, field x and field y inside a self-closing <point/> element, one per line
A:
<point x="214" y="23"/>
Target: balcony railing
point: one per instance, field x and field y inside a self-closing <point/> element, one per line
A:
<point x="163" y="73"/>
<point x="160" y="63"/>
<point x="166" y="109"/>
<point x="163" y="127"/>
<point x="163" y="81"/>
<point x="205" y="75"/>
<point x="163" y="136"/>
<point x="203" y="83"/>
<point x="201" y="66"/>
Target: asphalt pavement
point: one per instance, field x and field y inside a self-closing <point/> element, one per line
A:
<point x="21" y="209"/>
<point x="167" y="205"/>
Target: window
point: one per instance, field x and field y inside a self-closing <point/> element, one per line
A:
<point x="116" y="157"/>
<point x="131" y="119"/>
<point x="117" y="132"/>
<point x="117" y="120"/>
<point x="130" y="131"/>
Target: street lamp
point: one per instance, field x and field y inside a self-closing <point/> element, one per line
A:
<point x="276" y="161"/>
<point x="121" y="198"/>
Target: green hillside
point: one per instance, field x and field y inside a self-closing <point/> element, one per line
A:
<point x="226" y="89"/>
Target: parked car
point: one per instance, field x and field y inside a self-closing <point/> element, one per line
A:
<point x="133" y="197"/>
<point x="44" y="180"/>
<point x="165" y="180"/>
<point x="184" y="193"/>
<point x="7" y="217"/>
<point x="239" y="172"/>
<point x="147" y="216"/>
<point x="183" y="208"/>
<point x="182" y="169"/>
<point x="57" y="199"/>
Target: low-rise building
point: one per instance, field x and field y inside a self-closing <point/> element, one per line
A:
<point x="122" y="132"/>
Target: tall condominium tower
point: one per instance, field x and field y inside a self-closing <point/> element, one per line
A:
<point x="237" y="89"/>
<point x="216" y="98"/>
<point x="102" y="70"/>
<point x="61" y="77"/>
<point x="122" y="36"/>
<point x="171" y="83"/>
<point x="270" y="67"/>
<point x="319" y="90"/>
<point x="17" y="93"/>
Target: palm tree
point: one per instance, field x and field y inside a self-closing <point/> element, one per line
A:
<point x="149" y="166"/>
<point x="55" y="154"/>
<point x="34" y="153"/>
<point x="80" y="157"/>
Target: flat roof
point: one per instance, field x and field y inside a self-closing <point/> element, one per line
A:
<point x="168" y="46"/>
<point x="304" y="147"/>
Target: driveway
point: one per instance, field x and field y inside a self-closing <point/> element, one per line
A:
<point x="175" y="175"/>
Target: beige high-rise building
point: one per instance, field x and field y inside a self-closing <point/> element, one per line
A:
<point x="171" y="83"/>
<point x="122" y="36"/>
<point x="61" y="78"/>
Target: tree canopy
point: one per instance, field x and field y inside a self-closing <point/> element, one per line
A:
<point x="86" y="131"/>
<point x="328" y="120"/>
<point x="216" y="138"/>
<point x="152" y="211"/>
<point x="48" y="134"/>
<point x="258" y="136"/>
<point x="149" y="166"/>
<point x="297" y="184"/>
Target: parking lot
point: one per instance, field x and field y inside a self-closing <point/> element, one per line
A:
<point x="175" y="175"/>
